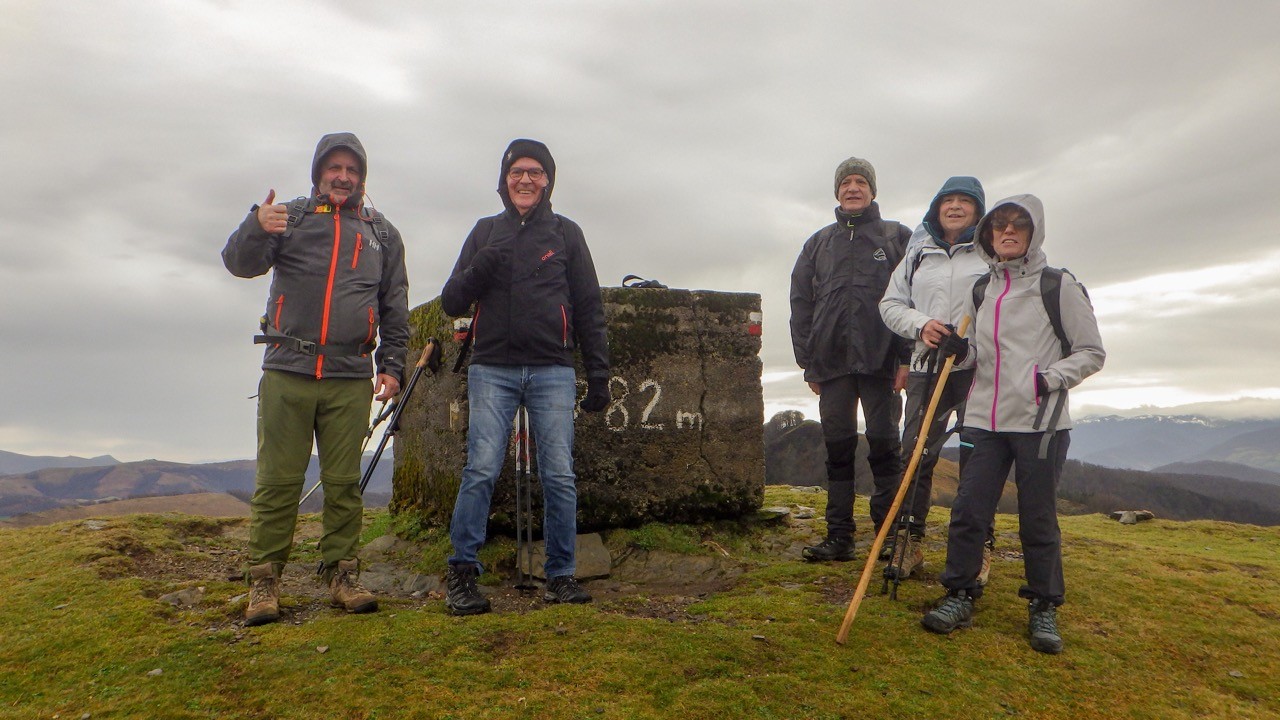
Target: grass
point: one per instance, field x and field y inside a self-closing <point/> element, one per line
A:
<point x="1164" y="620"/>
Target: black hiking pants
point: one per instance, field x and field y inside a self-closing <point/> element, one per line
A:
<point x="837" y="408"/>
<point x="990" y="455"/>
<point x="919" y="393"/>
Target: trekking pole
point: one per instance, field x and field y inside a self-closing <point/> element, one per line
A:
<point x="524" y="503"/>
<point x="391" y="409"/>
<point x="872" y="558"/>
<point x="902" y="524"/>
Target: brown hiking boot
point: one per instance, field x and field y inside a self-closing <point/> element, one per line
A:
<point x="985" y="572"/>
<point x="345" y="590"/>
<point x="264" y="595"/>
<point x="911" y="556"/>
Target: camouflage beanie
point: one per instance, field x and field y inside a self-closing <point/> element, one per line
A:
<point x="856" y="166"/>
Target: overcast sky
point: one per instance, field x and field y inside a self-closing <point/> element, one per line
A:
<point x="695" y="142"/>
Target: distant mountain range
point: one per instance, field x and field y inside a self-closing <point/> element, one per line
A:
<point x="1181" y="468"/>
<point x="13" y="463"/>
<point x="1149" y="441"/>
<point x="55" y="487"/>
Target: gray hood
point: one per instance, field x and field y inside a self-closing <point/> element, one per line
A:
<point x="1034" y="260"/>
<point x="340" y="141"/>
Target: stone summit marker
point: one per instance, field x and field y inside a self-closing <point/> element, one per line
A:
<point x="682" y="440"/>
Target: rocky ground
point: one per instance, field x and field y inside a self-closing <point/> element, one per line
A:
<point x="635" y="582"/>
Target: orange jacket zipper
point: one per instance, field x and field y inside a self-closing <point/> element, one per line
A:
<point x="328" y="290"/>
<point x="355" y="257"/>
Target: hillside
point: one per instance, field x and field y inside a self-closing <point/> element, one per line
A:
<point x="1165" y="620"/>
<point x="1169" y="495"/>
<point x="215" y="505"/>
<point x="61" y="487"/>
<point x="1232" y="470"/>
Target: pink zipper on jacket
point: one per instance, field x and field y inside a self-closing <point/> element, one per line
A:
<point x="995" y="386"/>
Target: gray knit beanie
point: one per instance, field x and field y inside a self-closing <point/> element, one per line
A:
<point x="856" y="166"/>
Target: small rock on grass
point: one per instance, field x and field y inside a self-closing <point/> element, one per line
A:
<point x="322" y="649"/>
<point x="155" y="673"/>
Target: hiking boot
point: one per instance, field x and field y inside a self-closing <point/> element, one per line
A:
<point x="565" y="589"/>
<point x="985" y="572"/>
<point x="345" y="590"/>
<point x="911" y="558"/>
<point x="463" y="597"/>
<point x="264" y="595"/>
<point x="886" y="550"/>
<point x="1042" y="626"/>
<point x="830" y="549"/>
<point x="954" y="612"/>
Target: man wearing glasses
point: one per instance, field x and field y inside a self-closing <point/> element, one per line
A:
<point x="526" y="277"/>
<point x="848" y="354"/>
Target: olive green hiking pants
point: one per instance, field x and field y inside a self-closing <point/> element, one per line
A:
<point x="294" y="410"/>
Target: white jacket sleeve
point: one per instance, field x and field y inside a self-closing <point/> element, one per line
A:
<point x="896" y="308"/>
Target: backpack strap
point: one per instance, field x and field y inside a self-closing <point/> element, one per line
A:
<point x="1051" y="295"/>
<point x="378" y="222"/>
<point x="298" y="208"/>
<point x="980" y="291"/>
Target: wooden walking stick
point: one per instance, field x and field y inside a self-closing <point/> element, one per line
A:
<point x="873" y="554"/>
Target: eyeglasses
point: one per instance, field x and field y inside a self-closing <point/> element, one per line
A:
<point x="1020" y="224"/>
<point x="535" y="174"/>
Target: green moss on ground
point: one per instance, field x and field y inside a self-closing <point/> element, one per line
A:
<point x="1164" y="620"/>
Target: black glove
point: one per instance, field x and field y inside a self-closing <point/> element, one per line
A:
<point x="490" y="261"/>
<point x="433" y="360"/>
<point x="597" y="397"/>
<point x="1042" y="387"/>
<point x="955" y="345"/>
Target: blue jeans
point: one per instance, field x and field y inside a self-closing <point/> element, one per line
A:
<point x="494" y="393"/>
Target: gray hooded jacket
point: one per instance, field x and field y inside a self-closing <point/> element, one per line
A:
<point x="1013" y="339"/>
<point x="335" y="281"/>
<point x="934" y="279"/>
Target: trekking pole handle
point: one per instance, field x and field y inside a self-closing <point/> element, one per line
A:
<point x="921" y="441"/>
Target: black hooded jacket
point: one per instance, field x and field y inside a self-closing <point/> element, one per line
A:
<point x="547" y="301"/>
<point x="836" y="286"/>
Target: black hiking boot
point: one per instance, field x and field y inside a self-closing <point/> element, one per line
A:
<point x="840" y="549"/>
<point x="565" y="589"/>
<point x="464" y="597"/>
<point x="954" y="612"/>
<point x="1042" y="627"/>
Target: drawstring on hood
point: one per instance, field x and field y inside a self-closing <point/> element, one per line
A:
<point x="525" y="148"/>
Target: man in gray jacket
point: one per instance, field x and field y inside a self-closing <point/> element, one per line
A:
<point x="339" y="295"/>
<point x="1017" y="416"/>
<point x="848" y="354"/>
<point x="927" y="294"/>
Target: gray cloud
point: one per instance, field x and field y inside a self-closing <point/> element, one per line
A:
<point x="695" y="142"/>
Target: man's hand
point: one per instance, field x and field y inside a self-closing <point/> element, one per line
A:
<point x="273" y="218"/>
<point x="597" y="397"/>
<point x="816" y="388"/>
<point x="900" y="378"/>
<point x="387" y="387"/>
<point x="933" y="332"/>
<point x="491" y="260"/>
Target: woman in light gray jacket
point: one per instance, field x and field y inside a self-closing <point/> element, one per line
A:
<point x="927" y="293"/>
<point x="1017" y="414"/>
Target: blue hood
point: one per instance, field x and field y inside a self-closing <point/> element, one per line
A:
<point x="959" y="184"/>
